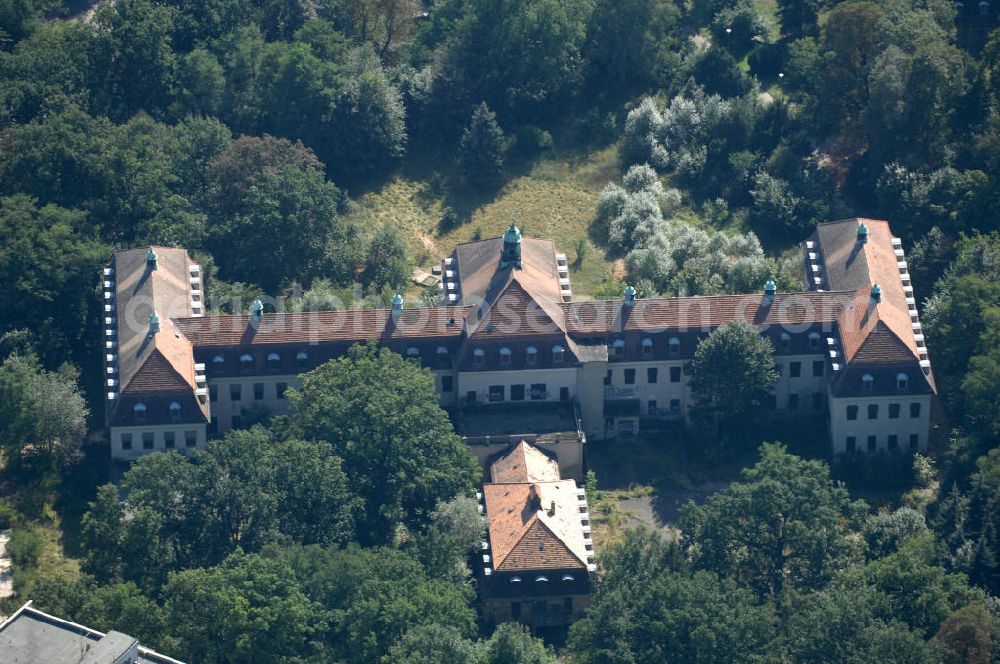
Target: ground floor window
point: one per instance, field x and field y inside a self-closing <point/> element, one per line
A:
<point x="126" y="441"/>
<point x="147" y="440"/>
<point x="496" y="392"/>
<point x="872" y="443"/>
<point x="190" y="438"/>
<point x="447" y="384"/>
<point x="626" y="428"/>
<point x="538" y="392"/>
<point x="517" y="392"/>
<point x="168" y="439"/>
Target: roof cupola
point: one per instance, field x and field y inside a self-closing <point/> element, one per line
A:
<point x="257" y="309"/>
<point x="770" y="290"/>
<point x="876" y="293"/>
<point x="154" y="324"/>
<point x="511" y="255"/>
<point x="862" y="233"/>
<point x="151" y="259"/>
<point x="630" y="294"/>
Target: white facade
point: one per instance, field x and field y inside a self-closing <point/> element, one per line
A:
<point x="130" y="443"/>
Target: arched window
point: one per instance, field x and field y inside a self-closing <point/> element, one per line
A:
<point x="902" y="382"/>
<point x="218" y="359"/>
<point x="618" y="346"/>
<point x="647" y="346"/>
<point x="505" y="356"/>
<point x="786" y="340"/>
<point x="413" y="352"/>
<point x="558" y="353"/>
<point x="175" y="411"/>
<point x="301" y="358"/>
<point x="867" y="382"/>
<point x="814" y="340"/>
<point x="139" y="410"/>
<point x="246" y="359"/>
<point x="478" y="357"/>
<point x="674" y="346"/>
<point x="273" y="360"/>
<point x="541" y="578"/>
<point x="515" y="579"/>
<point x="531" y="355"/>
<point x="567" y="578"/>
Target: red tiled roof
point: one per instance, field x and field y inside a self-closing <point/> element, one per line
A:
<point x="524" y="463"/>
<point x="526" y="534"/>
<point x="320" y="326"/>
<point x="704" y="313"/>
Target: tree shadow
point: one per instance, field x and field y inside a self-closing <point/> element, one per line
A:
<point x="79" y="488"/>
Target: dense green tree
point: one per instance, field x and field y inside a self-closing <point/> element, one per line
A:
<point x="43" y="416"/>
<point x="965" y="635"/>
<point x="101" y="535"/>
<point x="628" y="42"/>
<point x="513" y="643"/>
<point x="377" y="596"/>
<point x="523" y="57"/>
<point x="243" y="163"/>
<point x="785" y="524"/>
<point x="380" y="413"/>
<point x="481" y="152"/>
<point x="289" y="228"/>
<point x="432" y="644"/>
<point x="247" y="608"/>
<point x="647" y="608"/>
<point x="48" y="263"/>
<point x="200" y="83"/>
<point x="385" y="261"/>
<point x="733" y="370"/>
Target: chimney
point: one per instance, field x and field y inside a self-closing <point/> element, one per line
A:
<point x="769" y="292"/>
<point x="552" y="508"/>
<point x="630" y="296"/>
<point x="876" y="294"/>
<point x="862" y="233"/>
<point x="151" y="259"/>
<point x="257" y="309"/>
<point x="154" y="324"/>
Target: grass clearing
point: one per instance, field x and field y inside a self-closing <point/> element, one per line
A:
<point x="553" y="197"/>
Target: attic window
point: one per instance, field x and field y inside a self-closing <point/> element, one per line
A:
<point x="175" y="411"/>
<point x="478" y="357"/>
<point x="246" y="359"/>
<point x="647" y="346"/>
<point x="300" y="359"/>
<point x="567" y="578"/>
<point x="814" y="340"/>
<point x="413" y="351"/>
<point x="541" y="578"/>
<point x="505" y="356"/>
<point x="867" y="382"/>
<point x="902" y="382"/>
<point x="531" y="354"/>
<point x="786" y="340"/>
<point x="674" y="346"/>
<point x="515" y="579"/>
<point x="558" y="353"/>
<point x="139" y="410"/>
<point x="273" y="359"/>
<point x="618" y="346"/>
<point x="218" y="359"/>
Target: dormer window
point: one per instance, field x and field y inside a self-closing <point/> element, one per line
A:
<point x="541" y="578"/>
<point x="175" y="411"/>
<point x="505" y="357"/>
<point x="218" y="360"/>
<point x="618" y="347"/>
<point x="674" y="346"/>
<point x="647" y="347"/>
<point x="139" y="411"/>
<point x="413" y="353"/>
<point x="246" y="361"/>
<point x="567" y="578"/>
<point x="786" y="341"/>
<point x="867" y="383"/>
<point x="515" y="579"/>
<point x="558" y="353"/>
<point x="301" y="358"/>
<point x="478" y="357"/>
<point x="531" y="355"/>
<point x="814" y="340"/>
<point x="273" y="360"/>
<point x="902" y="382"/>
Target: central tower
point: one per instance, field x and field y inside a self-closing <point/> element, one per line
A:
<point x="511" y="254"/>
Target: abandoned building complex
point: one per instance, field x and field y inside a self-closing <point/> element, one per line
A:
<point x="510" y="336"/>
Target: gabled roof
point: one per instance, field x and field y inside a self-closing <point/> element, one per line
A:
<point x="524" y="463"/>
<point x="535" y="526"/>
<point x="319" y="326"/>
<point x="704" y="312"/>
<point x="504" y="295"/>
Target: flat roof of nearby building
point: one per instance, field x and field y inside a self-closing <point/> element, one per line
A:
<point x="522" y="418"/>
<point x="31" y="636"/>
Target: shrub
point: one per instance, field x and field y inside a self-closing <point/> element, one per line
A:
<point x="7" y="514"/>
<point x="25" y="547"/>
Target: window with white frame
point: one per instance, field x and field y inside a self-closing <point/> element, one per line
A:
<point x="902" y="382"/>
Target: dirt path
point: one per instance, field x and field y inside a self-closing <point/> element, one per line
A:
<point x="6" y="581"/>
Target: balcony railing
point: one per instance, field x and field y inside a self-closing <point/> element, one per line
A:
<point x="612" y="393"/>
